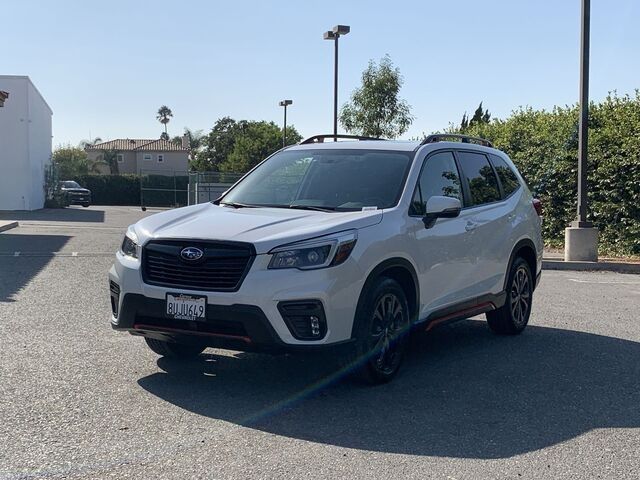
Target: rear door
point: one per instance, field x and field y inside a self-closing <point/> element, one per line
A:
<point x="487" y="218"/>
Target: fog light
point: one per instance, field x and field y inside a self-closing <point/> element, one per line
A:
<point x="315" y="326"/>
<point x="304" y="318"/>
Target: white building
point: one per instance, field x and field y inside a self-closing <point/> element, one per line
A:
<point x="25" y="144"/>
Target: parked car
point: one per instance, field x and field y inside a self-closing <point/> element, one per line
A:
<point x="76" y="194"/>
<point x="341" y="246"/>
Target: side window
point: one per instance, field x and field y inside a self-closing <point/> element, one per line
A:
<point x="439" y="177"/>
<point x="482" y="181"/>
<point x="507" y="177"/>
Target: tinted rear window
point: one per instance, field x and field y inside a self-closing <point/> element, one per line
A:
<point x="506" y="175"/>
<point x="481" y="179"/>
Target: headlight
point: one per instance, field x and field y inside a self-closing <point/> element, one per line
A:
<point x="129" y="245"/>
<point x="318" y="253"/>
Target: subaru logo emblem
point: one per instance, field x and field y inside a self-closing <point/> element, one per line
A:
<point x="191" y="253"/>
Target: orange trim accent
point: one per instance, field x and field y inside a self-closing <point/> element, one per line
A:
<point x="154" y="328"/>
<point x="459" y="313"/>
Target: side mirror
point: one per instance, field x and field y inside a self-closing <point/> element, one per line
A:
<point x="441" y="207"/>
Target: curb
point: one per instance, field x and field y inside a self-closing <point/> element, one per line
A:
<point x="591" y="266"/>
<point x="7" y="225"/>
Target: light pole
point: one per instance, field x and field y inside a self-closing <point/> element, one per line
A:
<point x="285" y="103"/>
<point x="583" y="142"/>
<point x="581" y="239"/>
<point x="334" y="35"/>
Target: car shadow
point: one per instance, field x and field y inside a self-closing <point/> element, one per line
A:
<point x="463" y="392"/>
<point x="35" y="252"/>
<point x="68" y="214"/>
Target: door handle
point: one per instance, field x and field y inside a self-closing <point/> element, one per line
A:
<point x="470" y="226"/>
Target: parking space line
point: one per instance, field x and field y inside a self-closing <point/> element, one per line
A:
<point x="601" y="282"/>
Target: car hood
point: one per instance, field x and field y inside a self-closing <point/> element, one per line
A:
<point x="265" y="228"/>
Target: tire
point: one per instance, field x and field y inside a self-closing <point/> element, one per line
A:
<point x="85" y="205"/>
<point x="173" y="350"/>
<point x="382" y="329"/>
<point x="513" y="316"/>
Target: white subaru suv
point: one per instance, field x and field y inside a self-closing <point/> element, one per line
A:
<point x="340" y="246"/>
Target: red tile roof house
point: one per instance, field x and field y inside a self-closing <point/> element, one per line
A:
<point x="157" y="157"/>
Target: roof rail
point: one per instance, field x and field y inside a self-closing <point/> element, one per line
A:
<point x="439" y="137"/>
<point x="321" y="138"/>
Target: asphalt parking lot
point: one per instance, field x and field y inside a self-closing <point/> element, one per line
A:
<point x="78" y="400"/>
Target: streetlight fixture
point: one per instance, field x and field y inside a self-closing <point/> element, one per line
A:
<point x="285" y="104"/>
<point x="581" y="239"/>
<point x="335" y="34"/>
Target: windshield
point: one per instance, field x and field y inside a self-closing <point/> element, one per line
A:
<point x="70" y="184"/>
<point x="328" y="179"/>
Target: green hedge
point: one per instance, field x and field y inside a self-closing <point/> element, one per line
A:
<point x="544" y="146"/>
<point x="158" y="190"/>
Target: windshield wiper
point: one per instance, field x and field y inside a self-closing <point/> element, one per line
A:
<point x="313" y="207"/>
<point x="237" y="205"/>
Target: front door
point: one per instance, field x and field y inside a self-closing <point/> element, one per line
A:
<point x="443" y="253"/>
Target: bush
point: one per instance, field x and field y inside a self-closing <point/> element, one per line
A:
<point x="112" y="189"/>
<point x="544" y="146"/>
<point x="125" y="189"/>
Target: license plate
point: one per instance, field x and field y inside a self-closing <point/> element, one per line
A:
<point x="186" y="307"/>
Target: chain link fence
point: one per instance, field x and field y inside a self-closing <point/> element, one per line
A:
<point x="208" y="186"/>
<point x="159" y="188"/>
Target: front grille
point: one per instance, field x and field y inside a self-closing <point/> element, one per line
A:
<point x="221" y="269"/>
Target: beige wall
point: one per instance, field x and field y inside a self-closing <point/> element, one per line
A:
<point x="134" y="162"/>
<point x="173" y="162"/>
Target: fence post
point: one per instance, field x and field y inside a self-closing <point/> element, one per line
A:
<point x="142" y="207"/>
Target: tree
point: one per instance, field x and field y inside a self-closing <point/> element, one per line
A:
<point x="236" y="146"/>
<point x="464" y="124"/>
<point x="544" y="146"/>
<point x="195" y="138"/>
<point x="164" y="136"/>
<point x="89" y="143"/>
<point x="110" y="158"/>
<point x="70" y="161"/>
<point x="257" y="141"/>
<point x="163" y="116"/>
<point x="375" y="109"/>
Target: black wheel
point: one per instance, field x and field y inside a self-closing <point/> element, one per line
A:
<point x="383" y="325"/>
<point x="85" y="205"/>
<point x="173" y="350"/>
<point x="513" y="316"/>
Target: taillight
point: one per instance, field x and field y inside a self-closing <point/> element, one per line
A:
<point x="537" y="204"/>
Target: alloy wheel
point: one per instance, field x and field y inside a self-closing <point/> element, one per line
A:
<point x="520" y="296"/>
<point x="389" y="319"/>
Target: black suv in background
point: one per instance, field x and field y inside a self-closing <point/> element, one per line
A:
<point x="75" y="193"/>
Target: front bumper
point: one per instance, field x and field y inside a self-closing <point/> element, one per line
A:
<point x="79" y="198"/>
<point x="248" y="319"/>
<point x="233" y="327"/>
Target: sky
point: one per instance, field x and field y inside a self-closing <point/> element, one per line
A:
<point x="105" y="67"/>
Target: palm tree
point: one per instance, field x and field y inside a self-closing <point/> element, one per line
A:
<point x="110" y="159"/>
<point x="164" y="115"/>
<point x="89" y="143"/>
